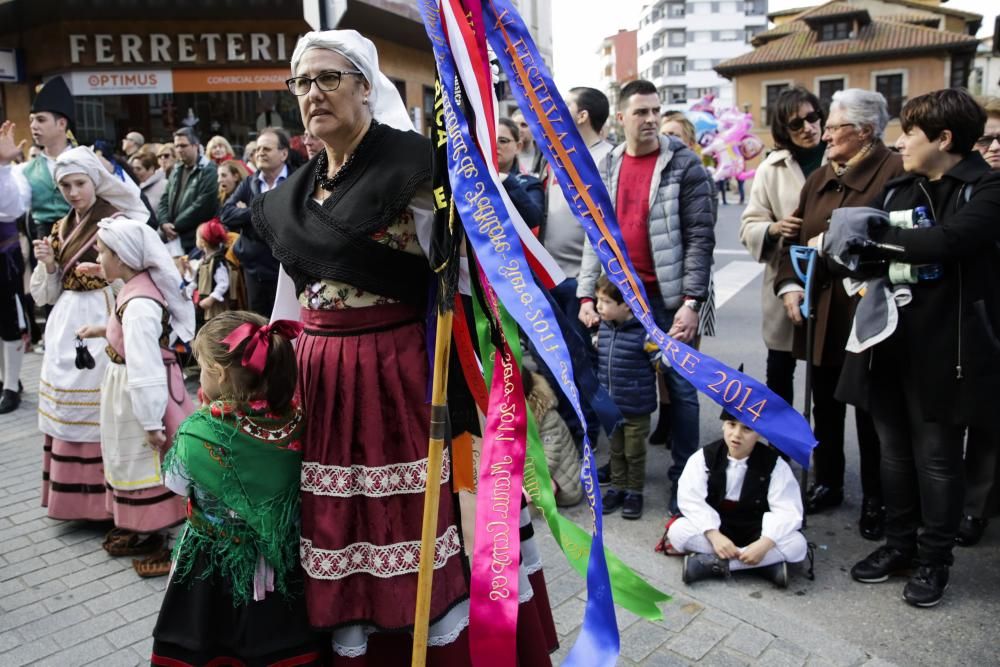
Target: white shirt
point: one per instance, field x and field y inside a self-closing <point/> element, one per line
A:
<point x="142" y="326"/>
<point x="783" y="496"/>
<point x="221" y="278"/>
<point x="15" y="191"/>
<point x="264" y="187"/>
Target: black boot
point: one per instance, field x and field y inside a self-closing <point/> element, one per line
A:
<point x="612" y="501"/>
<point x="927" y="586"/>
<point x="880" y="564"/>
<point x="872" y="521"/>
<point x="703" y="566"/>
<point x="9" y="401"/>
<point x="661" y="436"/>
<point x="776" y="573"/>
<point x="970" y="531"/>
<point x="632" y="508"/>
<point x="604" y="474"/>
<point x="821" y="497"/>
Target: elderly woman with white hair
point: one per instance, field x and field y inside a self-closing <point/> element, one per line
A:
<point x="73" y="484"/>
<point x="858" y="166"/>
<point x="350" y="229"/>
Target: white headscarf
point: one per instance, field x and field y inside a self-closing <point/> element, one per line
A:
<point x="386" y="104"/>
<point x="122" y="195"/>
<point x="139" y="247"/>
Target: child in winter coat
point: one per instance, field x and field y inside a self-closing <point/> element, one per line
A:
<point x="741" y="508"/>
<point x="627" y="371"/>
<point x="560" y="450"/>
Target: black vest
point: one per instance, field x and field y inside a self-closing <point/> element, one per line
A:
<point x="741" y="520"/>
<point x="333" y="240"/>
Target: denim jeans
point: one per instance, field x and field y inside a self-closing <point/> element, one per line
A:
<point x="683" y="401"/>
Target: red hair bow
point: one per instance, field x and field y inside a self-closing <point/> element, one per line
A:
<point x="258" y="340"/>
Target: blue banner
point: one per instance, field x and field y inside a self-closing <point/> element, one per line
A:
<point x="502" y="258"/>
<point x="555" y="132"/>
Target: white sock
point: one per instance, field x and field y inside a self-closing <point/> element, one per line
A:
<point x="12" y="357"/>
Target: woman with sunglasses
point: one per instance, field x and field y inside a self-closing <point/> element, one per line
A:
<point x="858" y="167"/>
<point x="768" y="223"/>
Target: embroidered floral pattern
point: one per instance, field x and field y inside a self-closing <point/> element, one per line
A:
<point x="331" y="295"/>
<point x="383" y="561"/>
<point x="371" y="482"/>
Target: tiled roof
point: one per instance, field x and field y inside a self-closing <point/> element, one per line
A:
<point x="878" y="38"/>
<point x="799" y="25"/>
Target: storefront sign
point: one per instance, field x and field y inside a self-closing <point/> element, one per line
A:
<point x="141" y="82"/>
<point x="207" y="48"/>
<point x="119" y="82"/>
<point x="210" y="80"/>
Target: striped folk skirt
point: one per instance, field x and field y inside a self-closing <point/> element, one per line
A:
<point x="73" y="487"/>
<point x="363" y="382"/>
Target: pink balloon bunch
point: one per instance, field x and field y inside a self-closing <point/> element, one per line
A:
<point x="732" y="145"/>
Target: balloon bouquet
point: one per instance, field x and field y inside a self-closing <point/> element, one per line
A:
<point x="725" y="136"/>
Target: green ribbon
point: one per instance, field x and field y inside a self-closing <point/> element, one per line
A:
<point x="628" y="589"/>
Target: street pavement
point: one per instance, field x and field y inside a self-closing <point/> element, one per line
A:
<point x="64" y="602"/>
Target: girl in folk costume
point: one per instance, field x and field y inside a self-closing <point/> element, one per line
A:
<point x="143" y="399"/>
<point x="72" y="369"/>
<point x="235" y="595"/>
<point x="213" y="272"/>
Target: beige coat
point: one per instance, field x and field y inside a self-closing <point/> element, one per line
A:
<point x="774" y="195"/>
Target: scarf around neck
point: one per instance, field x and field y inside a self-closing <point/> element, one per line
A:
<point x="244" y="462"/>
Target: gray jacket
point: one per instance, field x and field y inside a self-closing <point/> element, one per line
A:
<point x="681" y="223"/>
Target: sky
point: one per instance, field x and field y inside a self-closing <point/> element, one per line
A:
<point x="578" y="26"/>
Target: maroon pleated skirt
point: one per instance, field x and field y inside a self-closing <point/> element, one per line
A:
<point x="363" y="377"/>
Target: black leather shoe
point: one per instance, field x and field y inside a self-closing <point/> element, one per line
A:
<point x="632" y="508"/>
<point x="776" y="573"/>
<point x="970" y="531"/>
<point x="880" y="564"/>
<point x="604" y="475"/>
<point x="703" y="566"/>
<point x="20" y="387"/>
<point x="872" y="521"/>
<point x="927" y="586"/>
<point x="9" y="401"/>
<point x="820" y="497"/>
<point x="612" y="501"/>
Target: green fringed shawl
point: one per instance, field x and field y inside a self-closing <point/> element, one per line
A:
<point x="245" y="464"/>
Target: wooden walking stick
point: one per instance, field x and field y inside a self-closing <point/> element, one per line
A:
<point x="432" y="494"/>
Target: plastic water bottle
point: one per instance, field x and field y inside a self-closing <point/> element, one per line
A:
<point x="922" y="220"/>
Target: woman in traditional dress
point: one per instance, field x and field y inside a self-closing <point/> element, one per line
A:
<point x="143" y="398"/>
<point x="70" y="382"/>
<point x="345" y="228"/>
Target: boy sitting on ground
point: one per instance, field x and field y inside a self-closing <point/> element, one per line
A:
<point x="741" y="508"/>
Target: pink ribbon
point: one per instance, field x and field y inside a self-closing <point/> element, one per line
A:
<point x="258" y="339"/>
<point x="494" y="591"/>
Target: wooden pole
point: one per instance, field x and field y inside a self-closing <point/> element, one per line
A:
<point x="432" y="494"/>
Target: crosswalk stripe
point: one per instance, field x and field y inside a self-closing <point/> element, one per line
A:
<point x="732" y="278"/>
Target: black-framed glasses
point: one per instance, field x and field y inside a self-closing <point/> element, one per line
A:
<point x="328" y="82"/>
<point x="987" y="140"/>
<point x="798" y="123"/>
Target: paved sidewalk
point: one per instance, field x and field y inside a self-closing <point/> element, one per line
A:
<point x="64" y="602"/>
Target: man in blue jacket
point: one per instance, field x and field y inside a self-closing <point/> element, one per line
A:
<point x="260" y="268"/>
<point x="664" y="203"/>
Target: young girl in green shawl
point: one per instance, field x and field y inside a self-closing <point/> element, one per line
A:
<point x="235" y="591"/>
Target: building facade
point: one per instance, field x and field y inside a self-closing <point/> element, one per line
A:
<point x="680" y="43"/>
<point x="619" y="62"/>
<point x="985" y="79"/>
<point x="900" y="48"/>
<point x="219" y="65"/>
